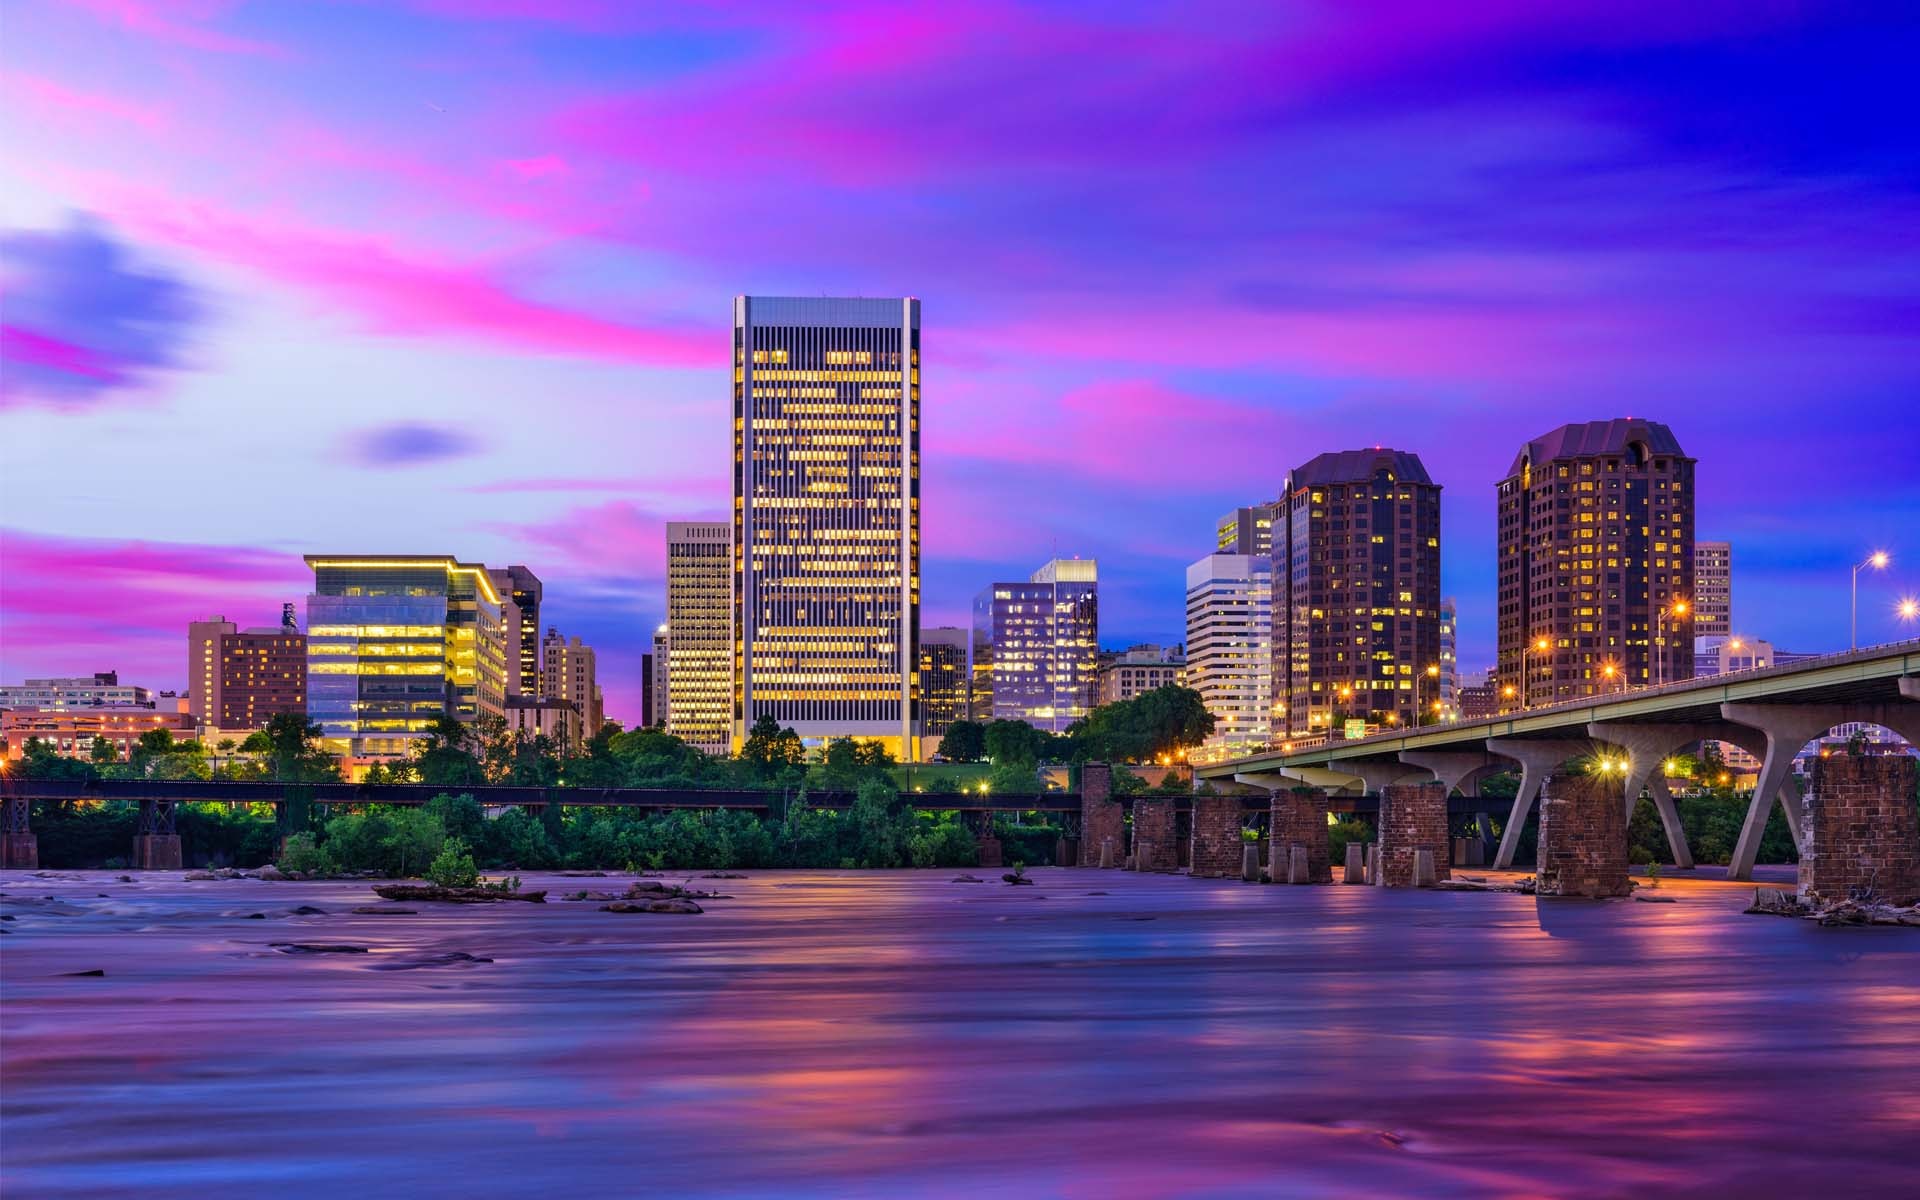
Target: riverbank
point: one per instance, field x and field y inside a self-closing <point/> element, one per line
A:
<point x="889" y="1033"/>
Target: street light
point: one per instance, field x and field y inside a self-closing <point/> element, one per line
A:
<point x="1878" y="561"/>
<point x="1526" y="675"/>
<point x="1678" y="610"/>
<point x="1908" y="609"/>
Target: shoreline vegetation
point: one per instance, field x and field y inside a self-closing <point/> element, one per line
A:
<point x="881" y="829"/>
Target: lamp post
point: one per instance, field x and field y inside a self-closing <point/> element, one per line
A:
<point x="1526" y="674"/>
<point x="1609" y="671"/>
<point x="1878" y="561"/>
<point x="1908" y="610"/>
<point x="1678" y="610"/>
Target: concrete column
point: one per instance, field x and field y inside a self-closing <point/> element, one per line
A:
<point x="1216" y="836"/>
<point x="1647" y="747"/>
<point x="1863" y="831"/>
<point x="1356" y="869"/>
<point x="1537" y="759"/>
<point x="1788" y="728"/>
<point x="1413" y="817"/>
<point x="1583" y="839"/>
<point x="1377" y="775"/>
<point x="1458" y="769"/>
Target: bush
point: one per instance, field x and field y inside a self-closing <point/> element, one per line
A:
<point x="303" y="855"/>
<point x="453" y="867"/>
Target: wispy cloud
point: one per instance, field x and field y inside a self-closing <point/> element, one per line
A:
<point x="84" y="318"/>
<point x="409" y="443"/>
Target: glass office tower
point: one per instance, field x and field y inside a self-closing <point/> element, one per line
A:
<point x="395" y="641"/>
<point x="1036" y="646"/>
<point x="826" y="517"/>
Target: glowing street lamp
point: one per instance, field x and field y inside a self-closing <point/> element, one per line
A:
<point x="1908" y="609"/>
<point x="1678" y="610"/>
<point x="1526" y="674"/>
<point x="1878" y="561"/>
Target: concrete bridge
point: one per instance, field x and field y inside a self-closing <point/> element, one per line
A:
<point x="1771" y="713"/>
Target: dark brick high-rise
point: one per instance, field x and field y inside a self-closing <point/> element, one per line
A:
<point x="1356" y="590"/>
<point x="1596" y="537"/>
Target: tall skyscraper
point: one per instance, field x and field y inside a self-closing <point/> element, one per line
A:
<point x="520" y="594"/>
<point x="1036" y="645"/>
<point x="569" y="672"/>
<point x="943" y="678"/>
<point x="826" y="515"/>
<point x="397" y="641"/>
<point x="1247" y="530"/>
<point x="1230" y="646"/>
<point x="1447" y="685"/>
<point x="699" y="660"/>
<point x="1596" y="542"/>
<point x="1713" y="589"/>
<point x="661" y="700"/>
<point x="1356" y="591"/>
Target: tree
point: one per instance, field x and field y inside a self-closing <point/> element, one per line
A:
<point x="770" y="747"/>
<point x="293" y="755"/>
<point x="1013" y="741"/>
<point x="964" y="742"/>
<point x="445" y="755"/>
<point x="1164" y="721"/>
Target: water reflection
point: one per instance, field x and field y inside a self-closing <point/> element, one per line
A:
<point x="889" y="1034"/>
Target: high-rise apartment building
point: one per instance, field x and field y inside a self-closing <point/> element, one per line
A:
<point x="1596" y="549"/>
<point x="1247" y="530"/>
<point x="826" y="517"/>
<point x="203" y="667"/>
<point x="662" y="703"/>
<point x="943" y="678"/>
<point x="568" y="673"/>
<point x="1356" y="592"/>
<point x="1230" y="646"/>
<point x="520" y="595"/>
<point x="1713" y="589"/>
<point x="699" y="660"/>
<point x="395" y="642"/>
<point x="1036" y="645"/>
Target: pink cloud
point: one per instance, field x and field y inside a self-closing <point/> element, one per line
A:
<point x="179" y="23"/>
<point x="613" y="539"/>
<point x="542" y="167"/>
<point x="50" y="97"/>
<point x="76" y="605"/>
<point x="413" y="292"/>
<point x="25" y="347"/>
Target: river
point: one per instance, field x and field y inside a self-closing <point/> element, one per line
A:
<point x="1100" y="1034"/>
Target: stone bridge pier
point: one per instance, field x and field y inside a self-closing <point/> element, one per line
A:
<point x="1414" y="839"/>
<point x="1103" y="821"/>
<point x="1862" y="830"/>
<point x="1298" y="849"/>
<point x="1156" y="844"/>
<point x="1583" y="839"/>
<point x="986" y="840"/>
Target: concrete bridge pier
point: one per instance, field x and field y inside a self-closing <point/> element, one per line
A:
<point x="1788" y="728"/>
<point x="1538" y="760"/>
<point x="1647" y="747"/>
<point x="156" y="841"/>
<point x="19" y="849"/>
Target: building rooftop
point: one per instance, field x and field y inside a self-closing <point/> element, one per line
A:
<point x="1358" y="466"/>
<point x="1584" y="439"/>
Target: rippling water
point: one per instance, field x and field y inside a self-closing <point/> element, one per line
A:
<point x="835" y="1034"/>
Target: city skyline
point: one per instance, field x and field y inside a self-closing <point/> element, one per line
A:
<point x="508" y="316"/>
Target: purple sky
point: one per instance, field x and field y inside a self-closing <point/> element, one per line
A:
<point x="454" y="276"/>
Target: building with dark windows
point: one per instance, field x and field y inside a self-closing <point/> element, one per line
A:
<point x="658" y="712"/>
<point x="826" y="517"/>
<point x="1247" y="530"/>
<point x="943" y="679"/>
<point x="1596" y="562"/>
<point x="699" y="660"/>
<point x="1356" y="592"/>
<point x="1036" y="646"/>
<point x="520" y="594"/>
<point x="1712" y="589"/>
<point x="394" y="642"/>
